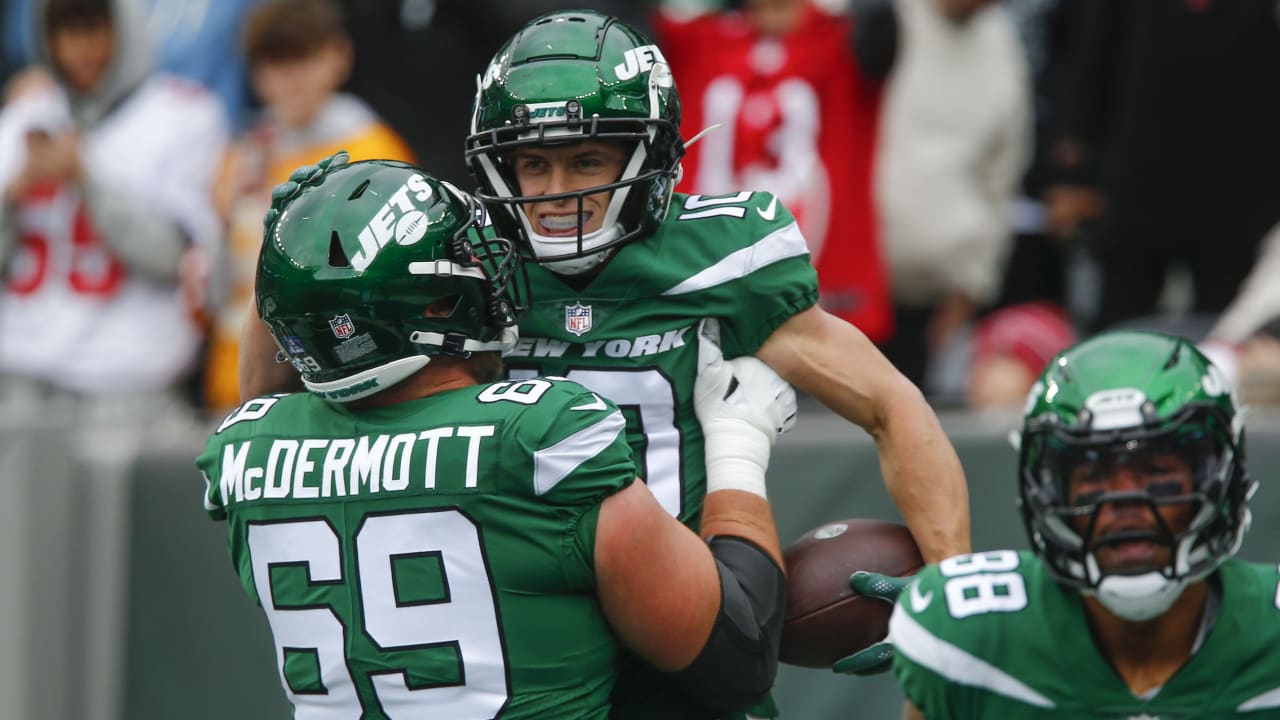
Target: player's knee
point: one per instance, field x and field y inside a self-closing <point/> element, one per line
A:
<point x="736" y="667"/>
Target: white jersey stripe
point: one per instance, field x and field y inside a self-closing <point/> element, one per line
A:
<point x="553" y="464"/>
<point x="1269" y="699"/>
<point x="778" y="245"/>
<point x="912" y="640"/>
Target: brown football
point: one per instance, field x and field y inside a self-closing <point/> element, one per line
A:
<point x="825" y="619"/>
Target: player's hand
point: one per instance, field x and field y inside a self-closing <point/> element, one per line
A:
<point x="877" y="658"/>
<point x="306" y="175"/>
<point x="739" y="391"/>
<point x="742" y="406"/>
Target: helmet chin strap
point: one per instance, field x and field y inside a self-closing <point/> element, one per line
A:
<point x="547" y="245"/>
<point x="1138" y="598"/>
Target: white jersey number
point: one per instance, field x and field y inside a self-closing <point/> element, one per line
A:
<point x="468" y="619"/>
<point x="982" y="583"/>
<point x="651" y="394"/>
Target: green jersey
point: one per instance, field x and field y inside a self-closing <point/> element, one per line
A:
<point x="433" y="558"/>
<point x="630" y="334"/>
<point x="994" y="635"/>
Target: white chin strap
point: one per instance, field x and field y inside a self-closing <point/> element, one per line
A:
<point x="549" y="246"/>
<point x="363" y="384"/>
<point x="503" y="344"/>
<point x="1138" y="598"/>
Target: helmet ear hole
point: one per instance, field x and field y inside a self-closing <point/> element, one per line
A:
<point x="441" y="308"/>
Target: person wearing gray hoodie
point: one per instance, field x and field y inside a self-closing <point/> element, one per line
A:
<point x="105" y="174"/>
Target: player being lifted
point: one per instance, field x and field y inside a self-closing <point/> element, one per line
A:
<point x="427" y="542"/>
<point x="1135" y="496"/>
<point x="575" y="144"/>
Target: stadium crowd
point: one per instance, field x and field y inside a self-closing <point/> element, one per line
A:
<point x="980" y="182"/>
<point x="976" y="186"/>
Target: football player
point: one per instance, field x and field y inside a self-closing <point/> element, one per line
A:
<point x="429" y="541"/>
<point x="1134" y="493"/>
<point x="576" y="147"/>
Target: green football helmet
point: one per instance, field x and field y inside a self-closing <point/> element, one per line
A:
<point x="1123" y="396"/>
<point x="567" y="77"/>
<point x="371" y="268"/>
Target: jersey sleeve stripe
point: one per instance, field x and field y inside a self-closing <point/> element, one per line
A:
<point x="1269" y="699"/>
<point x="778" y="245"/>
<point x="553" y="464"/>
<point x="923" y="648"/>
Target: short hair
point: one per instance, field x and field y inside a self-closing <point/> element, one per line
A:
<point x="62" y="15"/>
<point x="282" y="30"/>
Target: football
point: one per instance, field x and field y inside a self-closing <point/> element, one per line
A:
<point x="825" y="619"/>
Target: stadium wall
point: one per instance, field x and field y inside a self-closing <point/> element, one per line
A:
<point x="119" y="600"/>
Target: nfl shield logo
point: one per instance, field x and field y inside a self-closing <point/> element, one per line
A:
<point x="577" y="318"/>
<point x="342" y="326"/>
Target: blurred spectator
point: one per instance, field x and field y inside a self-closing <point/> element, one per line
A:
<point x="1036" y="270"/>
<point x="1258" y="366"/>
<point x="199" y="39"/>
<point x="797" y="119"/>
<point x="299" y="55"/>
<point x="954" y="141"/>
<point x="1171" y="109"/>
<point x="195" y="39"/>
<point x="1245" y="340"/>
<point x="1009" y="351"/>
<point x="106" y="176"/>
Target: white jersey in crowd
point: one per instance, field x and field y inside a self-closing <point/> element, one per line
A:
<point x="71" y="314"/>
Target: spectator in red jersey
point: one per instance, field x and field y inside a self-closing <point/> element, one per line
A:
<point x="796" y="118"/>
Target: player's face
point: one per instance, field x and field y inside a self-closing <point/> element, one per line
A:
<point x="295" y="90"/>
<point x="1123" y="537"/>
<point x="83" y="54"/>
<point x="550" y="170"/>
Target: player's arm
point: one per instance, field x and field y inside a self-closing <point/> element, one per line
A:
<point x="656" y="579"/>
<point x="911" y="712"/>
<point x="260" y="372"/>
<point x="833" y="361"/>
<point x="710" y="611"/>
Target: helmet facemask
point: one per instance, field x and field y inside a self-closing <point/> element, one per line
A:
<point x="533" y="96"/>
<point x="1064" y="529"/>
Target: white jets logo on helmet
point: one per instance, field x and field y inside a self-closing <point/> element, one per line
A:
<point x="398" y="219"/>
<point x="638" y="60"/>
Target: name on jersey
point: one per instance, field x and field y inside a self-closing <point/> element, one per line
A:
<point x="346" y="467"/>
<point x="643" y="345"/>
<point x="397" y="219"/>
